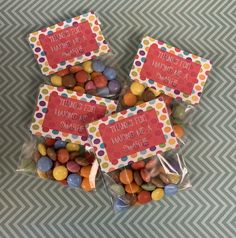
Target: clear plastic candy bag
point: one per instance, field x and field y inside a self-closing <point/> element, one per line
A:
<point x="66" y="163"/>
<point x="147" y="180"/>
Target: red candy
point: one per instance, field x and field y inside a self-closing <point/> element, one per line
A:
<point x="138" y="165"/>
<point x="144" y="197"/>
<point x="49" y="141"/>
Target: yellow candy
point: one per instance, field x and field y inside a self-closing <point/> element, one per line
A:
<point x="42" y="149"/>
<point x="157" y="194"/>
<point x="56" y="80"/>
<point x="60" y="173"/>
<point x="137" y="88"/>
<point x="174" y="178"/>
<point x="42" y="174"/>
<point x="72" y="147"/>
<point x="156" y="93"/>
<point x="87" y="66"/>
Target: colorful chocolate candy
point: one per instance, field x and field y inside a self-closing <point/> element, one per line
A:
<point x="91" y="77"/>
<point x="144" y="181"/>
<point x="65" y="162"/>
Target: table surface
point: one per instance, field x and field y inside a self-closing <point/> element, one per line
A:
<point x="30" y="207"/>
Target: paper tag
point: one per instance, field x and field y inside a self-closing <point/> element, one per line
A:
<point x="68" y="43"/>
<point x="136" y="133"/>
<point x="170" y="70"/>
<point x="63" y="114"/>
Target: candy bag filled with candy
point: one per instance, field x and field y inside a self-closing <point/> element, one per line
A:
<point x="67" y="163"/>
<point x="61" y="150"/>
<point x="133" y="148"/>
<point x="180" y="113"/>
<point x="67" y="52"/>
<point x="147" y="180"/>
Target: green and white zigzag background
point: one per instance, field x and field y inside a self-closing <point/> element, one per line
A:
<point x="30" y="207"/>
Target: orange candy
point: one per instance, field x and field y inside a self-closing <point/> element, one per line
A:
<point x="62" y="155"/>
<point x="81" y="76"/>
<point x="79" y="89"/>
<point x="130" y="99"/>
<point x="63" y="72"/>
<point x="131" y="188"/>
<point x="179" y="131"/>
<point x="126" y="176"/>
<point x="85" y="185"/>
<point x="95" y="74"/>
<point x="85" y="171"/>
<point x="100" y="81"/>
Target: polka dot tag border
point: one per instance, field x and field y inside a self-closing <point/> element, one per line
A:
<point x="98" y="144"/>
<point x="39" y="53"/>
<point x="195" y="96"/>
<point x="41" y="109"/>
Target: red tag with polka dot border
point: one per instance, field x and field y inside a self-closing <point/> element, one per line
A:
<point x="63" y="114"/>
<point x="171" y="71"/>
<point x="131" y="135"/>
<point x="67" y="43"/>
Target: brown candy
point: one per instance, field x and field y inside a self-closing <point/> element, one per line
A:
<point x="51" y="153"/>
<point x="164" y="178"/>
<point x="131" y="198"/>
<point x="68" y="81"/>
<point x="137" y="178"/>
<point x="157" y="182"/>
<point x="74" y="155"/>
<point x="151" y="163"/>
<point x="154" y="172"/>
<point x="148" y="95"/>
<point x="82" y="161"/>
<point x="145" y="175"/>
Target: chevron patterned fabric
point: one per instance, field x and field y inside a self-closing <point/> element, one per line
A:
<point x="30" y="207"/>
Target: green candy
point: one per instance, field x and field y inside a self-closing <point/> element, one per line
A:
<point x="118" y="189"/>
<point x="148" y="186"/>
<point x="178" y="112"/>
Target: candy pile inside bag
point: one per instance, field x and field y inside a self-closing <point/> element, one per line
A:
<point x="67" y="163"/>
<point x="92" y="77"/>
<point x="147" y="180"/>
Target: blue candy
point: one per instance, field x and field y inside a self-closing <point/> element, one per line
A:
<point x="59" y="144"/>
<point x="110" y="73"/>
<point x="120" y="205"/>
<point x="114" y="86"/>
<point x="103" y="92"/>
<point x="98" y="66"/>
<point x="44" y="164"/>
<point x="74" y="180"/>
<point x="171" y="189"/>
